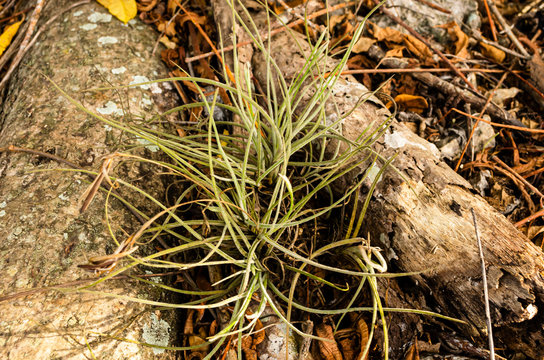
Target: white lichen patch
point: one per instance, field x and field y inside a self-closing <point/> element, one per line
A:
<point x="78" y="13"/>
<point x="2" y="213"/>
<point x="146" y="103"/>
<point x="119" y="70"/>
<point x="155" y="279"/>
<point x="108" y="128"/>
<point x="531" y="310"/>
<point x="148" y="145"/>
<point x="373" y="172"/>
<point x="99" y="17"/>
<point x="276" y="344"/>
<point x="21" y="283"/>
<point x="132" y="22"/>
<point x="101" y="68"/>
<point x="138" y="79"/>
<point x="110" y="109"/>
<point x="156" y="333"/>
<point x="155" y="88"/>
<point x="107" y="40"/>
<point x="12" y="270"/>
<point x="398" y="140"/>
<point x="64" y="197"/>
<point x="88" y="27"/>
<point x="3" y="204"/>
<point x="167" y="85"/>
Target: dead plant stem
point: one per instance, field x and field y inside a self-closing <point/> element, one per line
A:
<point x="484" y="284"/>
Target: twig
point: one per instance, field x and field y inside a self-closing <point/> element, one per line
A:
<point x="476" y="34"/>
<point x="7" y="7"/>
<point x="416" y="70"/>
<point x="519" y="177"/>
<point x="428" y="44"/>
<point x="434" y="6"/>
<point x="21" y="54"/>
<point x="491" y="22"/>
<point x="530" y="218"/>
<point x="17" y="14"/>
<point x="25" y="293"/>
<point x="272" y="32"/>
<point x="164" y="32"/>
<point x="293" y="13"/>
<point x="486" y="295"/>
<point x="482" y="112"/>
<point x="16" y="149"/>
<point x="519" y="128"/>
<point x="447" y="88"/>
<point x="32" y="24"/>
<point x="508" y="29"/>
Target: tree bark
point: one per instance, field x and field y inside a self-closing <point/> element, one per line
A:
<point x="43" y="235"/>
<point x="423" y="222"/>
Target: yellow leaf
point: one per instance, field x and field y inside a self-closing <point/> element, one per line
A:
<point x="124" y="10"/>
<point x="412" y="102"/>
<point x="7" y="35"/>
<point x="492" y="52"/>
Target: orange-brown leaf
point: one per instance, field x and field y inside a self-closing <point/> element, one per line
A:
<point x="493" y="53"/>
<point x="259" y="333"/>
<point x="413" y="353"/>
<point x="328" y="349"/>
<point x="459" y="38"/>
<point x="412" y="102"/>
<point x="362" y="329"/>
<point x="395" y="51"/>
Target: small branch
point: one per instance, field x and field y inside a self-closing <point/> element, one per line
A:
<point x="447" y="88"/>
<point x="486" y="294"/>
<point x="106" y="186"/>
<point x="530" y="218"/>
<point x="272" y="32"/>
<point x="491" y="22"/>
<point x="434" y="6"/>
<point x="27" y="44"/>
<point x="32" y="24"/>
<point x="519" y="177"/>
<point x="508" y="29"/>
<point x="428" y="44"/>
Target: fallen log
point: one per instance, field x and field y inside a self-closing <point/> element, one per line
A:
<point x="44" y="237"/>
<point x="421" y="216"/>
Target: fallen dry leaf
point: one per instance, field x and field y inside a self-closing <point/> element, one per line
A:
<point x="412" y="103"/>
<point x="167" y="42"/>
<point x="459" y="38"/>
<point x="395" y="51"/>
<point x="329" y="349"/>
<point x="259" y="335"/>
<point x="390" y="35"/>
<point x="146" y="5"/>
<point x="362" y="329"/>
<point x="491" y="52"/>
<point x="348" y="345"/>
<point x="166" y="27"/>
<point x="124" y="10"/>
<point x="7" y="36"/>
<point x="363" y="44"/>
<point x="413" y="353"/>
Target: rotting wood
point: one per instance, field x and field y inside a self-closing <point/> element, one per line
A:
<point x="43" y="235"/>
<point x="424" y="223"/>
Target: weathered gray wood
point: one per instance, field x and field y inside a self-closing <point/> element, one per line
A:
<point x="424" y="223"/>
<point x="43" y="237"/>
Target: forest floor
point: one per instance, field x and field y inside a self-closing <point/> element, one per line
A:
<point x="473" y="86"/>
